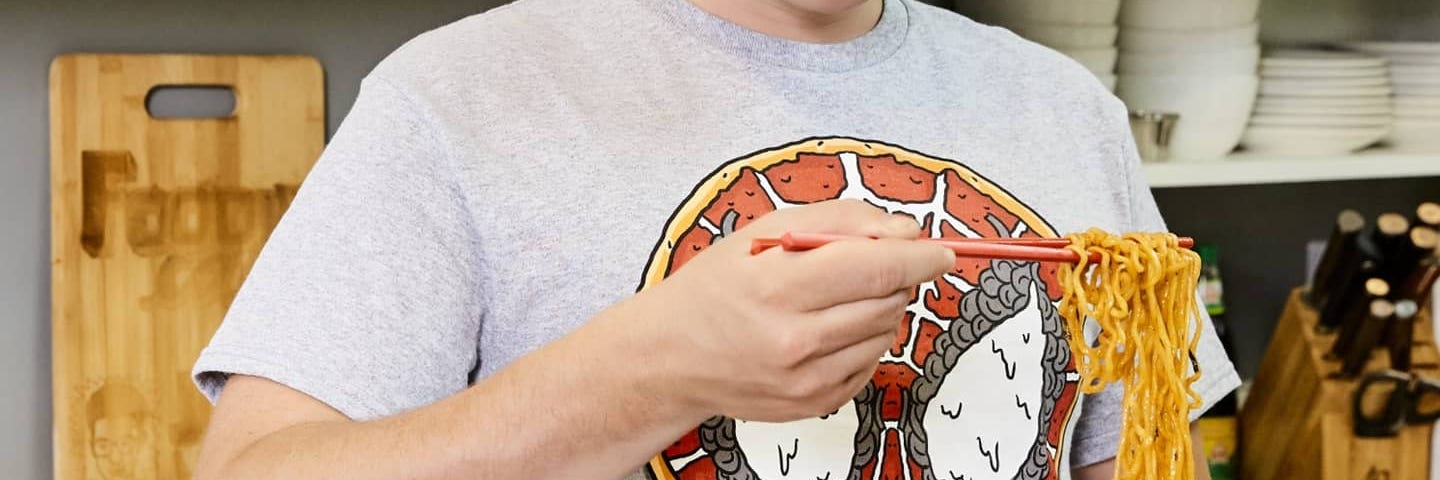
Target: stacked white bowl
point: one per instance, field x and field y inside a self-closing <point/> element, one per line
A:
<point x="1081" y="29"/>
<point x="1317" y="102"/>
<point x="1196" y="58"/>
<point x="1415" y="72"/>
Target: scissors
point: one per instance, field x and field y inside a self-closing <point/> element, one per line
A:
<point x="1404" y="402"/>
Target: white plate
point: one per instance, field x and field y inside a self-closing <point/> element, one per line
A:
<point x="1415" y="136"/>
<point x="1401" y="53"/>
<point x="1292" y="90"/>
<point x="1136" y="39"/>
<point x="1417" y="106"/>
<point x="1415" y="80"/>
<point x="1344" y="121"/>
<point x="1432" y="90"/>
<point x="1415" y="70"/>
<point x="1295" y="58"/>
<point x="1266" y="106"/>
<point x="1414" y="60"/>
<point x="1403" y="48"/>
<point x="1418" y="101"/>
<point x="1309" y="141"/>
<point x="1417" y="113"/>
<point x="1230" y="61"/>
<point x="1066" y="36"/>
<point x="1292" y="72"/>
<point x="1355" y="82"/>
<point x="1364" y="101"/>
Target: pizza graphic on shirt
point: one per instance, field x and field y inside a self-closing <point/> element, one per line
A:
<point x="979" y="383"/>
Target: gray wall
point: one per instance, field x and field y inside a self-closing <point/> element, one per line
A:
<point x="348" y="37"/>
<point x="1260" y="229"/>
<point x="1321" y="21"/>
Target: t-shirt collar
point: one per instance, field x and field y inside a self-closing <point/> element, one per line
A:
<point x="868" y="49"/>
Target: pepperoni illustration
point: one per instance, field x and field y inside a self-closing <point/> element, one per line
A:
<point x="979" y="351"/>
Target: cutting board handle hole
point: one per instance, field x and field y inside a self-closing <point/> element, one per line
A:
<point x="190" y="101"/>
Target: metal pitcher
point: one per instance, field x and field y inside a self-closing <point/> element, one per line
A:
<point x="1152" y="130"/>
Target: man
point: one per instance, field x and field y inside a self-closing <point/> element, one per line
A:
<point x="452" y="293"/>
<point x="121" y="432"/>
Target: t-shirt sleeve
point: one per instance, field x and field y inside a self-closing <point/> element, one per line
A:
<point x="367" y="295"/>
<point x="1097" y="432"/>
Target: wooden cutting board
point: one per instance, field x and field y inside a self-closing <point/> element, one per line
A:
<point x="154" y="224"/>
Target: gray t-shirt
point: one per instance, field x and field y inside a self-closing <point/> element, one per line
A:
<point x="502" y="179"/>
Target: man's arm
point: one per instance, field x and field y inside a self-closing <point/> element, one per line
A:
<point x="731" y="333"/>
<point x="1106" y="470"/>
<point x="577" y="408"/>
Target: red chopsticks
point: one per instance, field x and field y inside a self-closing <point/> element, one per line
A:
<point x="1029" y="249"/>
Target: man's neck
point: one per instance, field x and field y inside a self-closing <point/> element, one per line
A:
<point x="786" y="19"/>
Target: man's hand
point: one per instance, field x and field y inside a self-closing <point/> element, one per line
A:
<point x="788" y="335"/>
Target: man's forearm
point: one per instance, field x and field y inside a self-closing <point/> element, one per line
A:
<point x="582" y="407"/>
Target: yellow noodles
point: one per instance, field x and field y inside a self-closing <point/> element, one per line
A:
<point x="1141" y="293"/>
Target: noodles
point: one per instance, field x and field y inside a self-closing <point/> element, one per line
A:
<point x="1141" y="293"/>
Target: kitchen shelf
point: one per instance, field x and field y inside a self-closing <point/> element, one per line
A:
<point x="1252" y="169"/>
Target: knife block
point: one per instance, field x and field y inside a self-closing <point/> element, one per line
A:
<point x="1296" y="423"/>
